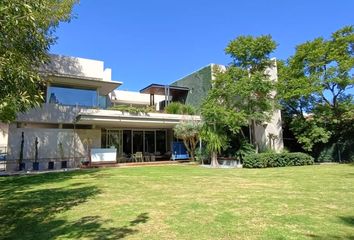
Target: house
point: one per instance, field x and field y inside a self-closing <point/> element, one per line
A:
<point x="83" y="119"/>
<point x="75" y="119"/>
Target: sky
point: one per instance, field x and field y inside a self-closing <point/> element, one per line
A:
<point x="160" y="41"/>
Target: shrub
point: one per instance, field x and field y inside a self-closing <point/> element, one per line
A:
<point x="179" y="108"/>
<point x="263" y="160"/>
<point x="133" y="110"/>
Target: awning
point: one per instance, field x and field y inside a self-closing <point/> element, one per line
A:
<point x="177" y="93"/>
<point x="112" y="118"/>
<point x="104" y="87"/>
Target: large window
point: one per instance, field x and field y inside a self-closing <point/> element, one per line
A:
<point x="138" y="145"/>
<point x="161" y="141"/>
<point x="72" y="96"/>
<point x="149" y="141"/>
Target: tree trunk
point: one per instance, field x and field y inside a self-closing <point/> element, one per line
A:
<point x="192" y="156"/>
<point x="187" y="145"/>
<point x="214" y="160"/>
<point x="253" y="135"/>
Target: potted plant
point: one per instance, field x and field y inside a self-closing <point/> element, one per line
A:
<point x="21" y="164"/>
<point x="36" y="163"/>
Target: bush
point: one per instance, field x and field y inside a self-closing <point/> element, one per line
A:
<point x="179" y="108"/>
<point x="263" y="160"/>
<point x="133" y="110"/>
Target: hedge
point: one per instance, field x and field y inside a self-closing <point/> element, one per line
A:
<point x="264" y="160"/>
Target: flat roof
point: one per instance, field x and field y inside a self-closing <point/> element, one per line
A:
<point x="159" y="89"/>
<point x="104" y="87"/>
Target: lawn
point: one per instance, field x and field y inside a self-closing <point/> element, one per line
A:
<point x="180" y="202"/>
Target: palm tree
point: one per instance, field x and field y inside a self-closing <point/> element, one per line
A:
<point x="216" y="142"/>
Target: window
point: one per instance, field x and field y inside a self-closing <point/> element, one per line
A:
<point x="72" y="96"/>
<point x="161" y="141"/>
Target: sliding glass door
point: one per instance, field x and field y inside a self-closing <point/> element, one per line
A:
<point x="138" y="141"/>
<point x="149" y="142"/>
<point x="129" y="141"/>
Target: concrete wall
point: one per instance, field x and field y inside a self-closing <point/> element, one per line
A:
<point x="52" y="113"/>
<point x="54" y="144"/>
<point x="80" y="67"/>
<point x="272" y="128"/>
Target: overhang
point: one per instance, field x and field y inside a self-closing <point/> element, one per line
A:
<point x="104" y="87"/>
<point x="111" y="118"/>
<point x="159" y="89"/>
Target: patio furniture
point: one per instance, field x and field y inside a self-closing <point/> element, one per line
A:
<point x="138" y="157"/>
<point x="147" y="157"/>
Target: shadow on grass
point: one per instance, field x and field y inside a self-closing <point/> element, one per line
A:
<point x="28" y="211"/>
<point x="347" y="220"/>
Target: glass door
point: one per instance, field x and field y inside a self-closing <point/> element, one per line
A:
<point x="115" y="140"/>
<point x="149" y="142"/>
<point x="138" y="141"/>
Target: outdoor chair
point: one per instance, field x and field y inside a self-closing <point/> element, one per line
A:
<point x="146" y="157"/>
<point x="138" y="157"/>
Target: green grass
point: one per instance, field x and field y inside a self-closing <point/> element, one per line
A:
<point x="181" y="202"/>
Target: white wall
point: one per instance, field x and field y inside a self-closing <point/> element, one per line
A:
<point x="53" y="144"/>
<point x="78" y="67"/>
<point x="274" y="127"/>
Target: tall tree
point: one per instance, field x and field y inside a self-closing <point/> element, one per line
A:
<point x="26" y="33"/>
<point x="313" y="88"/>
<point x="243" y="93"/>
<point x="250" y="71"/>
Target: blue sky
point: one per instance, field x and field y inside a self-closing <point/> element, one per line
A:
<point x="160" y="41"/>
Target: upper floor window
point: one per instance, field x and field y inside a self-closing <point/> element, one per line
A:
<point x="72" y="96"/>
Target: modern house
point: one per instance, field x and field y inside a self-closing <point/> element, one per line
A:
<point x="77" y="122"/>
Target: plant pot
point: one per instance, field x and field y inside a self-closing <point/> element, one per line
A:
<point x="21" y="166"/>
<point x="36" y="166"/>
<point x="50" y="165"/>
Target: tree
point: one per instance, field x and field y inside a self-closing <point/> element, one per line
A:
<point x="250" y="72"/>
<point x="216" y="142"/>
<point x="189" y="132"/>
<point x="313" y="88"/>
<point x="242" y="94"/>
<point x="26" y="33"/>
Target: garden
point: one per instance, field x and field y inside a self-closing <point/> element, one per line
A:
<point x="180" y="202"/>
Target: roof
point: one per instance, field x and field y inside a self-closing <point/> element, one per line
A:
<point x="104" y="87"/>
<point x="159" y="89"/>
